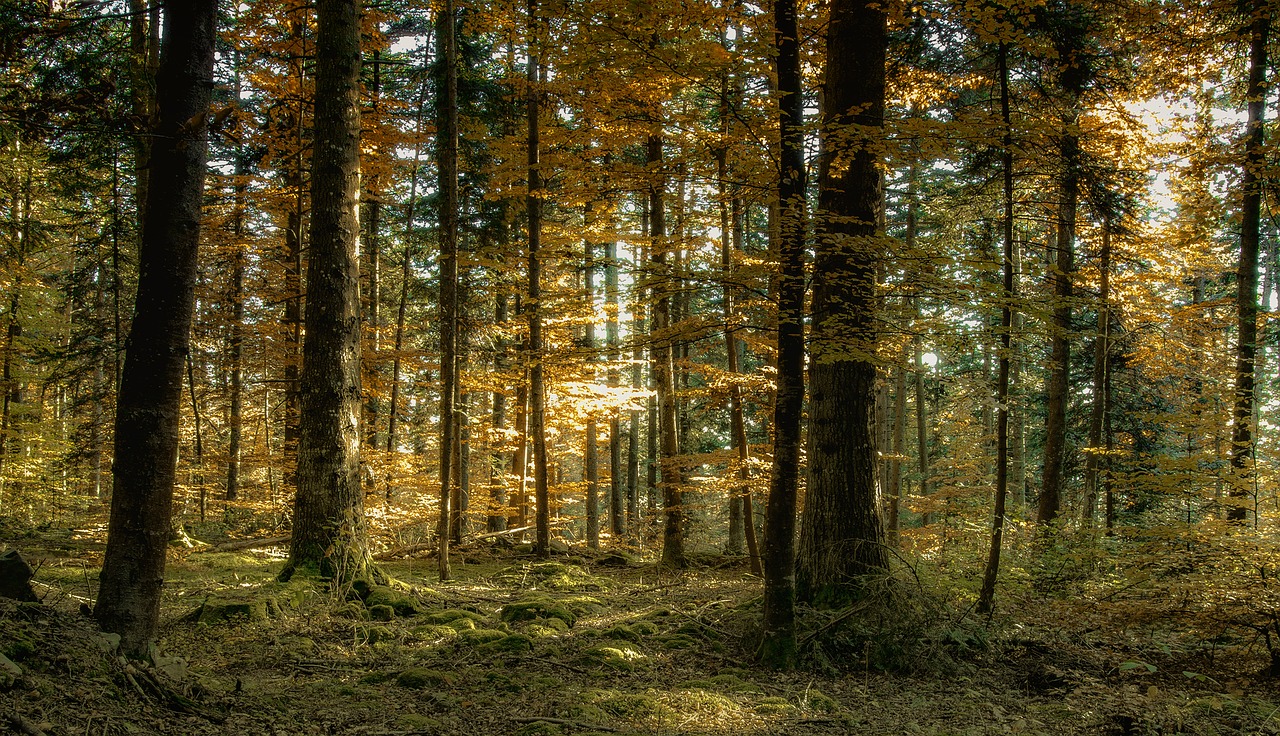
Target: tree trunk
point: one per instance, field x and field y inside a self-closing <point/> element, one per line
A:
<point x="235" y="343"/>
<point x="617" y="496"/>
<point x="537" y="387"/>
<point x="1252" y="183"/>
<point x="591" y="460"/>
<point x="986" y="596"/>
<point x="151" y="388"/>
<point x="496" y="518"/>
<point x="1094" y="459"/>
<point x="328" y="525"/>
<point x="660" y="354"/>
<point x="778" y="647"/>
<point x="447" y="146"/>
<point x="842" y="538"/>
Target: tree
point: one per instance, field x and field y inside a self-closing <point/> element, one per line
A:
<point x="842" y="534"/>
<point x="147" y="409"/>
<point x="329" y="531"/>
<point x="779" y="645"/>
<point x="447" y="150"/>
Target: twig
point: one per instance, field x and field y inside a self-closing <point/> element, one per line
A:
<point x="565" y="722"/>
<point x="569" y="667"/>
<point x="247" y="544"/>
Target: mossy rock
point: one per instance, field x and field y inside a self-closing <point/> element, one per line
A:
<point x="510" y="644"/>
<point x="371" y="634"/>
<point x="552" y="576"/>
<point x="381" y="613"/>
<point x="476" y="637"/>
<point x="298" y="647"/>
<point x="462" y="624"/>
<point x="622" y="658"/>
<point x="703" y="700"/>
<point x="678" y="641"/>
<point x="449" y="615"/>
<point x="417" y="678"/>
<point x="633" y="706"/>
<point x="237" y="607"/>
<point x="351" y="610"/>
<point x="542" y="631"/>
<point x="533" y="609"/>
<point x="434" y="632"/>
<point x="729" y="683"/>
<point x="615" y="558"/>
<point x="383" y="595"/>
<point x="19" y="648"/>
<point x="818" y="701"/>
<point x="376" y="678"/>
<point x="773" y="705"/>
<point x="644" y="628"/>
<point x="621" y="632"/>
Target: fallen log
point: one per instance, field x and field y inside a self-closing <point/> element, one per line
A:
<point x="247" y="544"/>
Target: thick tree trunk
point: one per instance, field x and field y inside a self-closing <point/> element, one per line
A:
<point x="328" y="526"/>
<point x="842" y="537"/>
<point x="151" y="388"/>
<point x="1242" y="490"/>
<point x="778" y="646"/>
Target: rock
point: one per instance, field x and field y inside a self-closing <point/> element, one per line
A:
<point x="15" y="577"/>
<point x="382" y="612"/>
<point x="9" y="672"/>
<point x="558" y="546"/>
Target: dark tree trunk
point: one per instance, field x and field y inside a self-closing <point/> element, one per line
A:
<point x="842" y="538"/>
<point x="447" y="147"/>
<point x="329" y="530"/>
<point x="1252" y="183"/>
<point x="986" y="596"/>
<point x="617" y="496"/>
<point x="591" y="460"/>
<point x="150" y="395"/>
<point x="496" y="519"/>
<point x="1095" y="459"/>
<point x="235" y="343"/>
<point x="778" y="647"/>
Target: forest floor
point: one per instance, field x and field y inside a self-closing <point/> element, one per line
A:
<point x="589" y="643"/>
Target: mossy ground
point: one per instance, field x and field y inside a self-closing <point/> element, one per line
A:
<point x="595" y="649"/>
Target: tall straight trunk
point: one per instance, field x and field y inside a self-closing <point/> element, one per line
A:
<point x="778" y="647"/>
<point x="986" y="596"/>
<point x="842" y="538"/>
<point x="294" y="169"/>
<point x="144" y="59"/>
<point x="447" y="146"/>
<point x="406" y="268"/>
<point x="372" y="248"/>
<point x="496" y="518"/>
<point x="147" y="409"/>
<point x="1251" y="185"/>
<point x="459" y="502"/>
<point x="1094" y="460"/>
<point x="537" y="387"/>
<point x="235" y="342"/>
<point x="520" y="457"/>
<point x="617" y="496"/>
<point x="899" y="447"/>
<point x="660" y="354"/>
<point x="329" y="530"/>
<point x="591" y="459"/>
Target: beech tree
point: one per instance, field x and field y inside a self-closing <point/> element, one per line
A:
<point x="147" y="408"/>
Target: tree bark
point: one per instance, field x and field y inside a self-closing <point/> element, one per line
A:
<point x="151" y="387"/>
<point x="329" y="530"/>
<point x="842" y="537"/>
<point x="778" y="647"/>
<point x="537" y="380"/>
<point x="447" y="146"/>
<point x="1095" y="459"/>
<point x="1252" y="184"/>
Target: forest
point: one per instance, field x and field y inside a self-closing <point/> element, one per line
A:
<point x="678" y="367"/>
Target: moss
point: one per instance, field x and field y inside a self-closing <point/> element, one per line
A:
<point x="644" y="628"/>
<point x="371" y="634"/>
<point x="417" y="678"/>
<point x="632" y="706"/>
<point x="237" y="606"/>
<point x="475" y="637"/>
<point x="621" y="658"/>
<point x="552" y="576"/>
<point x="772" y="705"/>
<point x="820" y="702"/>
<point x="510" y="644"/>
<point x="19" y="649"/>
<point x="621" y="632"/>
<point x="415" y="722"/>
<point x="537" y="608"/>
<point x="461" y="624"/>
<point x="353" y="611"/>
<point x="449" y="615"/>
<point x="678" y="641"/>
<point x="383" y="595"/>
<point x="376" y="678"/>
<point x="542" y="631"/>
<point x="728" y="683"/>
<point x="381" y="613"/>
<point x="700" y="699"/>
<point x="433" y="632"/>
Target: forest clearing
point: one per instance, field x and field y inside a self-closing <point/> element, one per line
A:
<point x="603" y="643"/>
